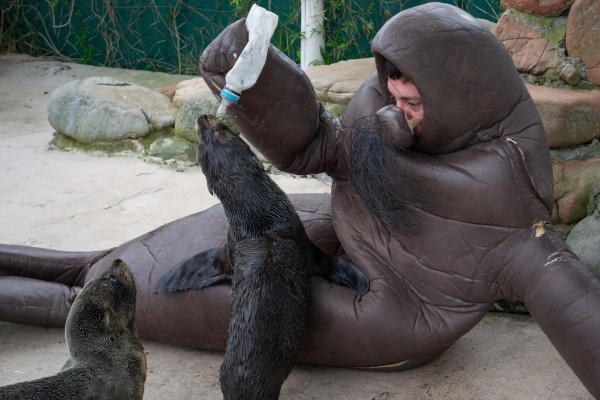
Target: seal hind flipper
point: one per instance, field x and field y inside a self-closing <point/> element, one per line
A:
<point x="196" y="272"/>
<point x="346" y="273"/>
<point x="339" y="271"/>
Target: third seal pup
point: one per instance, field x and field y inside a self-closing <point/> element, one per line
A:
<point x="107" y="360"/>
<point x="270" y="258"/>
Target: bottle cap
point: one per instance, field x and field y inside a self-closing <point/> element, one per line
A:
<point x="230" y="95"/>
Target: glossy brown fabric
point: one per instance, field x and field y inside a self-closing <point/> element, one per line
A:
<point x="38" y="286"/>
<point x="478" y="178"/>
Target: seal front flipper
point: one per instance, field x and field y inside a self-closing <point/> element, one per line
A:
<point x="204" y="269"/>
<point x="339" y="271"/>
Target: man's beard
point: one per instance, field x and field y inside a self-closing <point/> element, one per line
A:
<point x="387" y="189"/>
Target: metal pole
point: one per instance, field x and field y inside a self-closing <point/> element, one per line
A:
<point x="311" y="24"/>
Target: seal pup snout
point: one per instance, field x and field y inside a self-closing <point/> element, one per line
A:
<point x="206" y="125"/>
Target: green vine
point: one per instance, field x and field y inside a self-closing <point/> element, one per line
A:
<point x="169" y="35"/>
<point x="81" y="40"/>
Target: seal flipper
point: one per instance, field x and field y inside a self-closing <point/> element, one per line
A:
<point x="196" y="272"/>
<point x="339" y="271"/>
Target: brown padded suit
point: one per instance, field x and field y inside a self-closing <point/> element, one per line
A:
<point x="481" y="166"/>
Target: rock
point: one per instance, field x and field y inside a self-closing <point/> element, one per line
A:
<point x="335" y="110"/>
<point x="168" y="91"/>
<point x="581" y="152"/>
<point x="570" y="75"/>
<point x="115" y="147"/>
<point x="193" y="89"/>
<point x="173" y="149"/>
<point x="105" y="109"/>
<point x="594" y="202"/>
<point x="574" y="181"/>
<point x="185" y="123"/>
<point x="532" y="41"/>
<point x="337" y="83"/>
<point x="546" y="8"/>
<point x="583" y="36"/>
<point x="570" y="117"/>
<point x="584" y="240"/>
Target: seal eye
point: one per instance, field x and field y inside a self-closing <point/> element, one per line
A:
<point x="114" y="281"/>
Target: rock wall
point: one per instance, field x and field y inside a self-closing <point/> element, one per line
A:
<point x="555" y="45"/>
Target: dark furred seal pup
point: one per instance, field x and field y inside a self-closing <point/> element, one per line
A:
<point x="269" y="259"/>
<point x="107" y="360"/>
<point x="267" y="248"/>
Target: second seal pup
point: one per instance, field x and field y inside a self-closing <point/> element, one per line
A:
<point x="107" y="360"/>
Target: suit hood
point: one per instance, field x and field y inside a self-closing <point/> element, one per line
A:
<point x="452" y="59"/>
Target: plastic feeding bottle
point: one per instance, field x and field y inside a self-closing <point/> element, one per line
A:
<point x="260" y="24"/>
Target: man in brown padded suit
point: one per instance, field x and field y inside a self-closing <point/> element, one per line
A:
<point x="445" y="218"/>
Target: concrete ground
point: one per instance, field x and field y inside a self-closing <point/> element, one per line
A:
<point x="76" y="201"/>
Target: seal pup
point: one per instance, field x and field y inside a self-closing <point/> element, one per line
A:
<point x="267" y="249"/>
<point x="269" y="260"/>
<point x="107" y="360"/>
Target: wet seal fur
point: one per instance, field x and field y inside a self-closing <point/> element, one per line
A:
<point x="269" y="259"/>
<point x="107" y="360"/>
<point x="267" y="248"/>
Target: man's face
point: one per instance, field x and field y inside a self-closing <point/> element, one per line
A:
<point x="407" y="98"/>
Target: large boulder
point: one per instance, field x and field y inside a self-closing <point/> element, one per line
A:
<point x="105" y="109"/>
<point x="193" y="90"/>
<point x="583" y="36"/>
<point x="547" y="8"/>
<point x="532" y="41"/>
<point x="574" y="180"/>
<point x="584" y="239"/>
<point x="173" y="149"/>
<point x="168" y="90"/>
<point x="185" y="123"/>
<point x="337" y="83"/>
<point x="193" y="98"/>
<point x="570" y="117"/>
